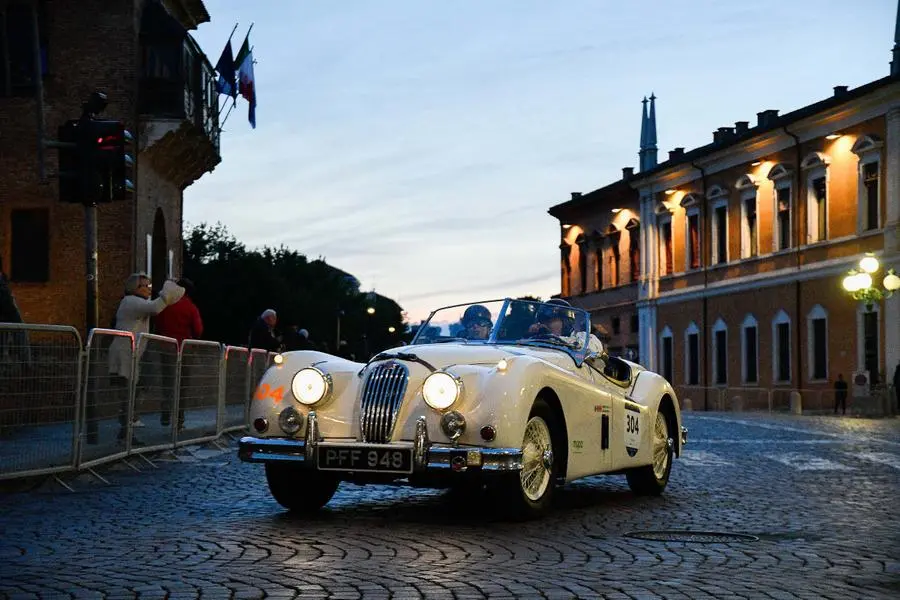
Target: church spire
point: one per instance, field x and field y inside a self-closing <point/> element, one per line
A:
<point x="895" y="64"/>
<point x="643" y="123"/>
<point x="648" y="135"/>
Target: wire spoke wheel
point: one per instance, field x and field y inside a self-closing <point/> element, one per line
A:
<point x="537" y="459"/>
<point x="661" y="454"/>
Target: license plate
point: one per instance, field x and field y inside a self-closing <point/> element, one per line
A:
<point x="383" y="459"/>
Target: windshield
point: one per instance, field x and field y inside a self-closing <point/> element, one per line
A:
<point x="522" y="322"/>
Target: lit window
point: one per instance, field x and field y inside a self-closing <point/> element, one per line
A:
<point x="665" y="234"/>
<point x="749" y="220"/>
<point x="693" y="239"/>
<point x="720" y="232"/>
<point x="781" y="176"/>
<point x="868" y="149"/>
<point x="816" y="167"/>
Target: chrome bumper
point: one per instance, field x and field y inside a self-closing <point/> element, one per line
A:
<point x="684" y="432"/>
<point x="426" y="456"/>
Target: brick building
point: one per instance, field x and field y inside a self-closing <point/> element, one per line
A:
<point x="159" y="83"/>
<point x="723" y="264"/>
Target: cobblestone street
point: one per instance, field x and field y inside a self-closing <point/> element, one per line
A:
<point x="821" y="494"/>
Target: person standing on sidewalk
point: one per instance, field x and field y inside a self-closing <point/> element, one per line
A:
<point x="179" y="321"/>
<point x="133" y="314"/>
<point x="840" y="394"/>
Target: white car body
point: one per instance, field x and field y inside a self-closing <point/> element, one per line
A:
<point x="597" y="422"/>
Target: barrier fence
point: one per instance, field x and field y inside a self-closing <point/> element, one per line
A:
<point x="65" y="406"/>
<point x="68" y="407"/>
<point x="879" y="401"/>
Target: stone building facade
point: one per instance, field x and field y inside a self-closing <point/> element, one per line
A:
<point x="742" y="245"/>
<point x="159" y="83"/>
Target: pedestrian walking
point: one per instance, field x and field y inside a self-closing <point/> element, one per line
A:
<point x="133" y="314"/>
<point x="179" y="321"/>
<point x="840" y="394"/>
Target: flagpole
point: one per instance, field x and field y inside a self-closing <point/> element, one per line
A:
<point x="222" y="123"/>
<point x="232" y="31"/>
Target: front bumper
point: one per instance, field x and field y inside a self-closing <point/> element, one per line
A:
<point x="427" y="457"/>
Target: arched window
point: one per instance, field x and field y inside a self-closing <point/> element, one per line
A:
<point x="634" y="248"/>
<point x="750" y="350"/>
<point x="782" y="200"/>
<point x="692" y="354"/>
<point x="817" y="343"/>
<point x="749" y="188"/>
<point x="720" y="352"/>
<point x="613" y="236"/>
<point x="816" y="167"/>
<point x="692" y="243"/>
<point x="868" y="213"/>
<point x="781" y="348"/>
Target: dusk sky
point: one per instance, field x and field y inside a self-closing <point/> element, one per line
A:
<point x="418" y="144"/>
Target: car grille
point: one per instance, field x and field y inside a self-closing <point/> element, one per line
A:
<point x="382" y="396"/>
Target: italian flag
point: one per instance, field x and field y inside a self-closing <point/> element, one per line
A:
<point x="246" y="85"/>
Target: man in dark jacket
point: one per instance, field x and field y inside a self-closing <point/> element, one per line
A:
<point x="897" y="386"/>
<point x="180" y="321"/>
<point x="262" y="334"/>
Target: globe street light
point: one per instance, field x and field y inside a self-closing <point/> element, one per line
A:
<point x="391" y="329"/>
<point x="858" y="282"/>
<point x="371" y="310"/>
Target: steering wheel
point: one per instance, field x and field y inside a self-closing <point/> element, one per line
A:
<point x="543" y="335"/>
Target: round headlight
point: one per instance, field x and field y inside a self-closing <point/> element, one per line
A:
<point x="310" y="385"/>
<point x="441" y="390"/>
<point x="290" y="420"/>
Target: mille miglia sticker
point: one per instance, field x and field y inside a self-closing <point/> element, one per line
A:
<point x="632" y="429"/>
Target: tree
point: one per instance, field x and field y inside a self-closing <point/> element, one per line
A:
<point x="235" y="285"/>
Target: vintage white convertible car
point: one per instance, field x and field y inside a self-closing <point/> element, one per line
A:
<point x="513" y="395"/>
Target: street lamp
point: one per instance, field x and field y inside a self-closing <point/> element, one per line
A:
<point x="392" y="329"/>
<point x="371" y="310"/>
<point x="858" y="282"/>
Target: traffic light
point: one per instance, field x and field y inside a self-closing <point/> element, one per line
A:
<point x="112" y="159"/>
<point x="96" y="161"/>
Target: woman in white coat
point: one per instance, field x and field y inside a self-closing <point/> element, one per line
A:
<point x="133" y="314"/>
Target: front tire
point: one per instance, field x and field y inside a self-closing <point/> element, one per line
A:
<point x="652" y="479"/>
<point x="298" y="489"/>
<point x="528" y="493"/>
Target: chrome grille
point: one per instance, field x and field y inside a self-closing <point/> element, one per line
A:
<point x="382" y="397"/>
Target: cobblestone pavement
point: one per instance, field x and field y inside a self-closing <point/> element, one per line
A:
<point x="821" y="494"/>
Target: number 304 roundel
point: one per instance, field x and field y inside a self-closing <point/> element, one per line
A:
<point x="632" y="429"/>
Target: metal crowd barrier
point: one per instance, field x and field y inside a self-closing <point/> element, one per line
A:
<point x="40" y="396"/>
<point x="68" y="407"/>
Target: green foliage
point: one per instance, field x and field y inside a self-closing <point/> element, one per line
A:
<point x="235" y="285"/>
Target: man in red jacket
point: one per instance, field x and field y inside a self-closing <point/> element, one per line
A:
<point x="180" y="321"/>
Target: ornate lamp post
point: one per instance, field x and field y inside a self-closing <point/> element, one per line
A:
<point x="859" y="282"/>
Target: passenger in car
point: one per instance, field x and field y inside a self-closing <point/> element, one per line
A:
<point x="476" y="322"/>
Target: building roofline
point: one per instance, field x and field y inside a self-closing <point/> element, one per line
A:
<point x="776" y="123"/>
<point x="579" y="201"/>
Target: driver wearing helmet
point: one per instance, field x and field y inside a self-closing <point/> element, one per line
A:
<point x="476" y="322"/>
<point x="553" y="318"/>
<point x="556" y="318"/>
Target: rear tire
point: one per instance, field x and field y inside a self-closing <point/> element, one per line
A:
<point x="298" y="489"/>
<point x="652" y="479"/>
<point x="528" y="494"/>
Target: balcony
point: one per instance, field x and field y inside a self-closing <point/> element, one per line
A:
<point x="178" y="103"/>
